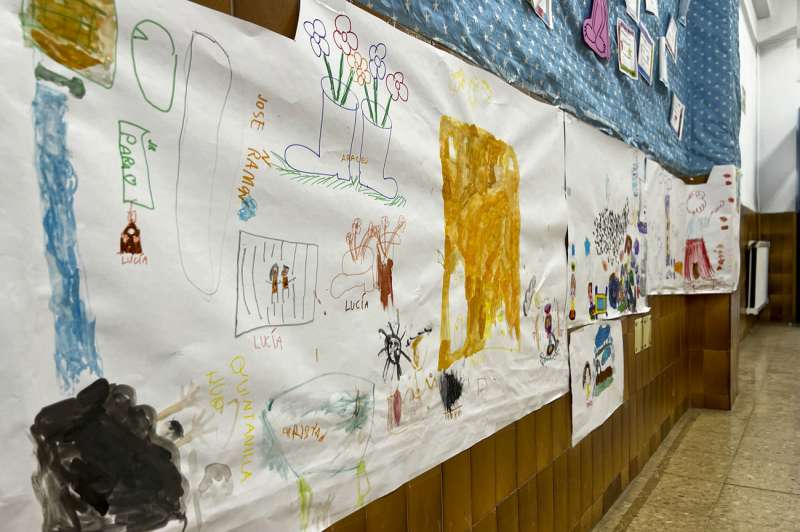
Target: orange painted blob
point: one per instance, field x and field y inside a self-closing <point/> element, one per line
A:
<point x="480" y="190"/>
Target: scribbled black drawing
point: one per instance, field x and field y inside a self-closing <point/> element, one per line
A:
<point x="200" y="215"/>
<point x="393" y="349"/>
<point x="610" y="228"/>
<point x="329" y="417"/>
<point x="275" y="282"/>
<point x="102" y="466"/>
<point x="450" y="389"/>
<point x="529" y="292"/>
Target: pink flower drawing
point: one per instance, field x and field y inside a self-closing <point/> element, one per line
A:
<point x="396" y="86"/>
<point x="343" y="36"/>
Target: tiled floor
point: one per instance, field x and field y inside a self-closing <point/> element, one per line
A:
<point x="737" y="470"/>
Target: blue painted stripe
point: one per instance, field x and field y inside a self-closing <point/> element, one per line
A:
<point x="75" y="350"/>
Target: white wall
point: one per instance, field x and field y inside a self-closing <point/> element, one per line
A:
<point x="779" y="100"/>
<point x="748" y="132"/>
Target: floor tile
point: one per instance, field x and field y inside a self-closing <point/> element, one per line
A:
<point x="764" y="510"/>
<point x="772" y="449"/>
<point x="765" y="475"/>
<point x="699" y="465"/>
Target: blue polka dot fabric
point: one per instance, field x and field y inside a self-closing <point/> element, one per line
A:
<point x="507" y="38"/>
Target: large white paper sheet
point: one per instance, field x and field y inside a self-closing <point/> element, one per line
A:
<point x="326" y="264"/>
<point x="597" y="375"/>
<point x="607" y="226"/>
<point x="693" y="235"/>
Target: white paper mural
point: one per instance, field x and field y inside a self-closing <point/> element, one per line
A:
<point x="597" y="375"/>
<point x="255" y="283"/>
<point x="607" y="226"/>
<point x="693" y="241"/>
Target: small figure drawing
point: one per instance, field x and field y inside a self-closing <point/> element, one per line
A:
<point x="552" y="341"/>
<point x="273" y="279"/>
<point x="592" y="309"/>
<point x="393" y="349"/>
<point x="285" y="280"/>
<point x="696" y="264"/>
<point x="572" y="289"/>
<point x="588" y="383"/>
<point x="130" y="240"/>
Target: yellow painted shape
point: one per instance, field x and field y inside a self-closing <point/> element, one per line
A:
<point x="78" y="34"/>
<point x="480" y="189"/>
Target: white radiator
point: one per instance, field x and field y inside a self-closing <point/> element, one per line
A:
<point x="757" y="261"/>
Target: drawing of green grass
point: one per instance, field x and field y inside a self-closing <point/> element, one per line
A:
<point x="332" y="182"/>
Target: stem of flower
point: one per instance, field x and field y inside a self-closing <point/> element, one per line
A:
<point x="375" y="91"/>
<point x="347" y="88"/>
<point x="341" y="65"/>
<point x="386" y="114"/>
<point x="372" y="116"/>
<point x="330" y="76"/>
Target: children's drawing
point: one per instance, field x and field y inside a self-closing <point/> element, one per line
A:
<point x="392" y="349"/>
<point x="75" y="352"/>
<point x="368" y="264"/>
<point x="610" y="274"/>
<point x="155" y="63"/>
<point x="596" y="374"/>
<point x="102" y="465"/>
<point x="696" y="263"/>
<point x="201" y="291"/>
<point x="78" y="34"/>
<point x="695" y="244"/>
<point x="276" y="282"/>
<point x="352" y="147"/>
<point x="595" y="30"/>
<point x="199" y="214"/>
<point x="130" y="241"/>
<point x="329" y="417"/>
<point x="480" y="190"/>
<point x="73" y="84"/>
<point x="132" y="147"/>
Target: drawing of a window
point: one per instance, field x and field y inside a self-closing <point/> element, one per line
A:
<point x="276" y="282"/>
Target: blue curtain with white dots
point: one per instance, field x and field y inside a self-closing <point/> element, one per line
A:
<point x="507" y="38"/>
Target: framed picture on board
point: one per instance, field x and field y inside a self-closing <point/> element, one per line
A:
<point x="646" y="56"/>
<point x="626" y="53"/>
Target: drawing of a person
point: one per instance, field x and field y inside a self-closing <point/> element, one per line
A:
<point x="285" y="280"/>
<point x="587" y="383"/>
<point x="592" y="310"/>
<point x="130" y="240"/>
<point x="273" y="278"/>
<point x="696" y="263"/>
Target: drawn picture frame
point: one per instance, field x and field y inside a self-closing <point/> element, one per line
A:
<point x="626" y="52"/>
<point x="677" y="116"/>
<point x="672" y="37"/>
<point x="651" y="6"/>
<point x="646" y="55"/>
<point x="632" y="9"/>
<point x="663" y="66"/>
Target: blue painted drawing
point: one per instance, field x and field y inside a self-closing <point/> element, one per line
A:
<point x="74" y="328"/>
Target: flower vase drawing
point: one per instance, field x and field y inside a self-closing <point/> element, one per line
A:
<point x="332" y="154"/>
<point x="376" y="136"/>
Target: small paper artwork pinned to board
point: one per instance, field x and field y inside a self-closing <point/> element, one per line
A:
<point x="646" y="55"/>
<point x="595" y="30"/>
<point x="672" y="38"/>
<point x="677" y="116"/>
<point x="544" y="10"/>
<point x="597" y="375"/>
<point x="663" y="67"/>
<point x="651" y="6"/>
<point x="683" y="11"/>
<point x="626" y="54"/>
<point x="632" y="9"/>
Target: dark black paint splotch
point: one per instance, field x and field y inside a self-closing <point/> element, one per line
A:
<point x="450" y="388"/>
<point x="102" y="466"/>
